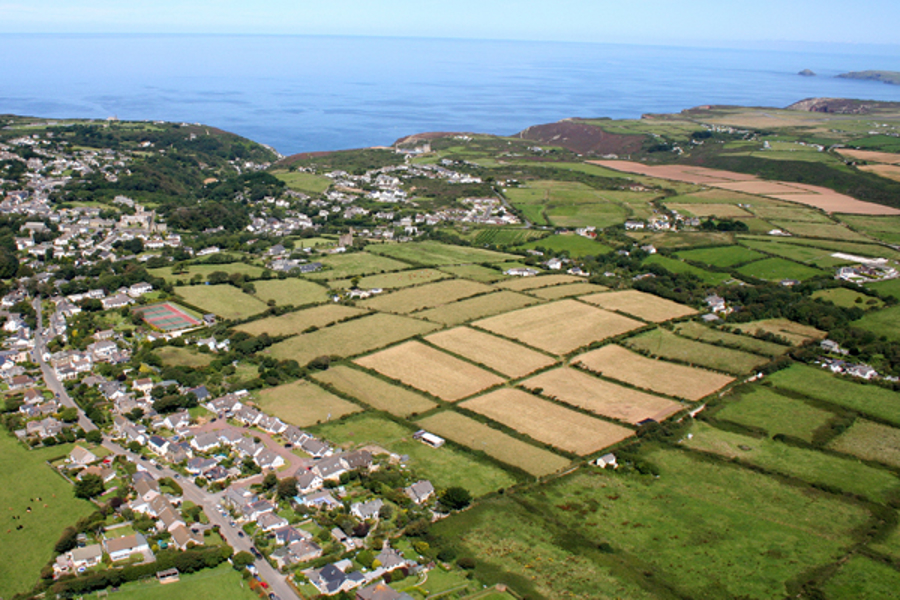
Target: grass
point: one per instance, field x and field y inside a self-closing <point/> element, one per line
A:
<point x="830" y="231"/>
<point x="884" y="229"/>
<point x="437" y="254"/>
<point x="567" y="290"/>
<point x="885" y="323"/>
<point x="426" y="296"/>
<point x="389" y="281"/>
<point x="351" y="264"/>
<point x="299" y="321"/>
<point x="822" y="385"/>
<point x="520" y="284"/>
<point x="812" y="466"/>
<point x="678" y="266"/>
<point x="890" y="287"/>
<point x="664" y="343"/>
<point x="862" y="577"/>
<point x="794" y="333"/>
<point x="475" y="273"/>
<point x="723" y="256"/>
<point x="849" y="298"/>
<point x="293" y="292"/>
<point x="871" y="441"/>
<point x="303" y="403"/>
<point x="221" y="582"/>
<point x="183" y="357"/>
<point x="190" y="271"/>
<point x="777" y="269"/>
<point x="375" y="392"/>
<point x="24" y="475"/>
<point x="444" y="467"/>
<point x="570" y="204"/>
<point x="575" y="246"/>
<point x="304" y="182"/>
<point x="697" y="331"/>
<point x="476" y="308"/>
<point x="224" y="301"/>
<point x="775" y="413"/>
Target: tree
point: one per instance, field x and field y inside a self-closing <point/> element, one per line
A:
<point x="89" y="486"/>
<point x="242" y="560"/>
<point x="269" y="481"/>
<point x="456" y="498"/>
<point x="93" y="436"/>
<point x="68" y="415"/>
<point x="67" y="540"/>
<point x="287" y="488"/>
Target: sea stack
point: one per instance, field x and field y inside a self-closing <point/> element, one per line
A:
<point x="806" y="73"/>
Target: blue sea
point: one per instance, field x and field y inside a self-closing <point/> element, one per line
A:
<point x="308" y="93"/>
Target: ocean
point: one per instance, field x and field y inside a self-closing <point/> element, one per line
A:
<point x="310" y="93"/>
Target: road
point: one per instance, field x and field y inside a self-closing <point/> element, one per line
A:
<point x="53" y="383"/>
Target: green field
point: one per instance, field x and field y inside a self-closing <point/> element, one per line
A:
<point x="764" y="408"/>
<point x="776" y="269"/>
<point x="475" y="273"/>
<point x="822" y="385"/>
<point x="294" y="292"/>
<point x="304" y="182"/>
<point x="350" y="264"/>
<point x="805" y="254"/>
<point x="444" y="466"/>
<point x="885" y="229"/>
<point x="697" y="331"/>
<point x="25" y="477"/>
<point x="189" y="271"/>
<point x="437" y="254"/>
<point x="830" y="231"/>
<point x="678" y="266"/>
<point x="862" y="577"/>
<point x="303" y="403"/>
<point x="225" y="301"/>
<point x="849" y="298"/>
<point x="388" y="281"/>
<point x="503" y="236"/>
<point x="221" y="582"/>
<point x="183" y="357"/>
<point x="575" y="246"/>
<point x="890" y="287"/>
<point x="882" y="323"/>
<point x="663" y="343"/>
<point x="871" y="441"/>
<point x="723" y="256"/>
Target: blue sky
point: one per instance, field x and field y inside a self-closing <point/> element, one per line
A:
<point x="695" y="22"/>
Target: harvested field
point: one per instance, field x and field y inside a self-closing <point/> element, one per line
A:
<point x="225" y="301"/>
<point x="539" y="281"/>
<point x="559" y="327"/>
<point x="793" y="333"/>
<point x="602" y="397"/>
<point x="791" y="212"/>
<point x="871" y="441"/>
<point x="885" y="158"/>
<point x="665" y="344"/>
<point x="430" y="370"/>
<point x="295" y="292"/>
<point x="641" y="305"/>
<point x="299" y="321"/>
<point x="668" y="378"/>
<point x="389" y="281"/>
<point x="886" y="171"/>
<point x="375" y="392"/>
<point x="475" y="273"/>
<point x="703" y="210"/>
<point x="350" y="338"/>
<point x="547" y="422"/>
<point x="426" y="296"/>
<point x="830" y="231"/>
<point x="503" y="356"/>
<point x="477" y="308"/>
<point x="697" y="331"/>
<point x="567" y="290"/>
<point x="303" y="404"/>
<point x="505" y="448"/>
<point x="433" y="254"/>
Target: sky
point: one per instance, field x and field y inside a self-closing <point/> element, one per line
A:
<point x="691" y="22"/>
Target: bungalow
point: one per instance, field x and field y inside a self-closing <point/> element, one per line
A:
<point x="366" y="510"/>
<point x="224" y="405"/>
<point x="330" y="580"/>
<point x="315" y="448"/>
<point x="318" y="500"/>
<point x="199" y="465"/>
<point x="143" y="386"/>
<point x="360" y="459"/>
<point x="267" y="459"/>
<point x="521" y="272"/>
<point x="295" y="435"/>
<point x="607" y="460"/>
<point x="304" y="550"/>
<point x="217" y="473"/>
<point x="123" y="547"/>
<point x="205" y="442"/>
<point x="44" y="428"/>
<point x="270" y="521"/>
<point x="229" y="437"/>
<point x="158" y="445"/>
<point x="146" y="488"/>
<point x="428" y="439"/>
<point x="177" y="420"/>
<point x="252" y="511"/>
<point x="106" y="474"/>
<point x="20" y="382"/>
<point x="248" y="415"/>
<point x="183" y="537"/>
<point x="390" y="559"/>
<point x="248" y="448"/>
<point x="271" y="424"/>
<point x="420" y="491"/>
<point x="168" y="519"/>
<point x="87" y="557"/>
<point x="32" y="396"/>
<point x="330" y="468"/>
<point x="307" y="481"/>
<point x="139" y="289"/>
<point x="117" y="301"/>
<point x="80" y="457"/>
<point x="286" y="535"/>
<point x="380" y="591"/>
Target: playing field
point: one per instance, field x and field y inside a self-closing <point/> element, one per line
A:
<point x="350" y="338"/>
<point x="559" y="327"/>
<point x="776" y="269"/>
<point x="871" y="441"/>
<point x="723" y="256"/>
<point x="389" y="281"/>
<point x="539" y="281"/>
<point x="373" y="391"/>
<point x="503" y="356"/>
<point x="436" y="254"/>
<point x="697" y="331"/>
<point x="478" y="307"/>
<point x="774" y="413"/>
<point x="641" y="305"/>
<point x="794" y="333"/>
<point x="660" y="376"/>
<point x="567" y="290"/>
<point x="299" y="321"/>
<point x="294" y="292"/>
<point x="225" y="301"/>
<point x="350" y="264"/>
<point x="303" y="403"/>
<point x="547" y="422"/>
<point x="430" y="370"/>
<point x="505" y="448"/>
<point x="665" y="344"/>
<point x="168" y="316"/>
<point x="429" y="295"/>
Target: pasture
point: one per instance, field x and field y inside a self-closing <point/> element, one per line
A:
<point x="777" y="269"/>
<point x="503" y="356"/>
<point x="659" y="376"/>
<point x="294" y="292"/>
<point x="641" y="305"/>
<point x="567" y="204"/>
<point x="496" y="444"/>
<point x="700" y="332"/>
<point x="303" y="404"/>
<point x="375" y="392"/>
<point x="790" y="212"/>
<point x="601" y="397"/>
<point x="444" y="467"/>
<point x="350" y="338"/>
<point x="705" y="210"/>
<point x="885" y="229"/>
<point x="474" y="272"/>
<point x="806" y="254"/>
<point x="559" y="327"/>
<point x="567" y="290"/>
<point x="297" y="322"/>
<point x="547" y="422"/>
<point x="184" y="273"/>
<point x="882" y="323"/>
<point x="862" y="577"/>
<point x="679" y="266"/>
<point x="183" y="357"/>
<point x="890" y="287"/>
<point x="521" y="284"/>
<point x="390" y="281"/>
<point x="665" y="344"/>
<point x="434" y="254"/>
<point x="722" y="256"/>
<point x="225" y="301"/>
<point x="429" y="295"/>
<point x="871" y="441"/>
<point x="350" y="264"/>
<point x="220" y="582"/>
<point x="430" y="370"/>
<point x="576" y="246"/>
<point x="775" y="413"/>
<point x="304" y="182"/>
<point x="830" y="231"/>
<point x="849" y="298"/>
<point x="478" y="307"/>
<point x="794" y="333"/>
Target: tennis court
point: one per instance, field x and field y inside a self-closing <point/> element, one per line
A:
<point x="167" y="316"/>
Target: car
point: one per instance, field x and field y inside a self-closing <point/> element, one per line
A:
<point x="240" y="534"/>
<point x="274" y="596"/>
<point x="255" y="552"/>
<point x="288" y="445"/>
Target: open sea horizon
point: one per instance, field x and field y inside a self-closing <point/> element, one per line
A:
<point x="313" y="93"/>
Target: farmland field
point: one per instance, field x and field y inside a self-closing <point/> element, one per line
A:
<point x="776" y="269"/>
<point x="436" y="254"/>
<point x="862" y="577"/>
<point x="601" y="397"/>
<point x="224" y="301"/>
<point x="342" y="266"/>
<point x="700" y="332"/>
<point x="641" y="305"/>
<point x="444" y="467"/>
<point x="665" y="344"/>
<point x="295" y="292"/>
<point x="805" y="254"/>
<point x="849" y="298"/>
<point x="505" y="448"/>
<point x="430" y="370"/>
<point x="503" y="356"/>
<point x="660" y="376"/>
<point x="890" y="287"/>
<point x="474" y="272"/>
<point x="559" y="327"/>
<point x="299" y="321"/>
<point x="882" y="323"/>
<point x="679" y="266"/>
<point x="790" y="213"/>
<point x="703" y="210"/>
<point x="429" y="295"/>
<point x="723" y="256"/>
<point x="547" y="422"/>
<point x="795" y="333"/>
<point x="871" y="441"/>
<point x="388" y="281"/>
<point x="812" y="466"/>
<point x="477" y="308"/>
<point x="183" y="357"/>
<point x="373" y="391"/>
<point x="775" y="413"/>
<point x="567" y="204"/>
<point x="881" y="228"/>
<point x="303" y="404"/>
<point x="829" y="231"/>
<point x="350" y="338"/>
<point x="204" y="270"/>
<point x="528" y="283"/>
<point x="822" y="385"/>
<point x="575" y="245"/>
<point x="304" y="182"/>
<point x="567" y="290"/>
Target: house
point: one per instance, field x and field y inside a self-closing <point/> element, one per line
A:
<point x="183" y="537"/>
<point x="304" y="550"/>
<point x="607" y="460"/>
<point x="330" y="468"/>
<point x="390" y="559"/>
<point x="366" y="510"/>
<point x="123" y="547"/>
<point x="521" y="272"/>
<point x="360" y="459"/>
<point x="318" y="500"/>
<point x="87" y="557"/>
<point x="177" y="420"/>
<point x="199" y="465"/>
<point x="315" y="448"/>
<point x="252" y="511"/>
<point x="286" y="535"/>
<point x="270" y="521"/>
<point x="139" y="289"/>
<point x="158" y="445"/>
<point x="168" y="519"/>
<point x="20" y="382"/>
<point x="80" y="457"/>
<point x="215" y="474"/>
<point x="44" y="428"/>
<point x="229" y="437"/>
<point x="268" y="459"/>
<point x="143" y="386"/>
<point x="146" y="488"/>
<point x="117" y="301"/>
<point x="307" y="481"/>
<point x="106" y="474"/>
<point x="32" y="396"/>
<point x="420" y="491"/>
<point x="330" y="580"/>
<point x="428" y="438"/>
<point x="633" y="225"/>
<point x="380" y="591"/>
<point x="205" y="442"/>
